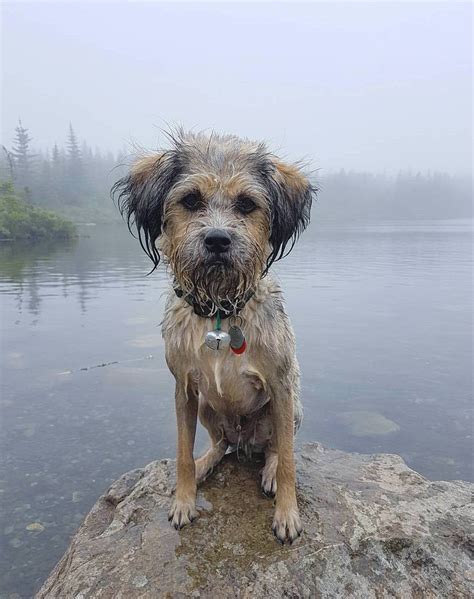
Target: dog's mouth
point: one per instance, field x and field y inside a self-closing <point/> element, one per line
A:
<point x="218" y="260"/>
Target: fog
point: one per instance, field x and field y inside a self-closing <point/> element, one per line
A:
<point x="370" y="87"/>
<point x="376" y="98"/>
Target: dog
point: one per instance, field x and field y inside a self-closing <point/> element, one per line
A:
<point x="221" y="210"/>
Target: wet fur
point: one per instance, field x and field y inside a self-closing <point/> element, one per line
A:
<point x="249" y="400"/>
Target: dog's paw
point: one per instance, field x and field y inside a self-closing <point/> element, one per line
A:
<point x="268" y="474"/>
<point x="182" y="513"/>
<point x="269" y="483"/>
<point x="287" y="525"/>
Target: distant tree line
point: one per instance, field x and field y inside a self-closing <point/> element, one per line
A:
<point x="357" y="196"/>
<point x="73" y="177"/>
<point x="70" y="176"/>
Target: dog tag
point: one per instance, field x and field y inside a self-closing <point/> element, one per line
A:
<point x="237" y="340"/>
<point x="217" y="339"/>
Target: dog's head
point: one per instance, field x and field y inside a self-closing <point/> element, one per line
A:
<point x="220" y="209"/>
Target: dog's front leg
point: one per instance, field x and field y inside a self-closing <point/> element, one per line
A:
<point x="183" y="510"/>
<point x="286" y="523"/>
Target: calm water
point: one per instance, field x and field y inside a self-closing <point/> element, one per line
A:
<point x="383" y="320"/>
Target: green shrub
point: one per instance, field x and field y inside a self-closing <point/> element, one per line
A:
<point x="20" y="220"/>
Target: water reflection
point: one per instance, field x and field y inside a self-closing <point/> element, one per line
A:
<point x="382" y="315"/>
<point x="19" y="273"/>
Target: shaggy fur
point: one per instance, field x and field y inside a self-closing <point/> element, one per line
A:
<point x="249" y="401"/>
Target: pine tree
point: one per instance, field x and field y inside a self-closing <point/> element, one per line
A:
<point x="23" y="159"/>
<point x="56" y="161"/>
<point x="44" y="188"/>
<point x="75" y="169"/>
<point x="58" y="173"/>
<point x="73" y="150"/>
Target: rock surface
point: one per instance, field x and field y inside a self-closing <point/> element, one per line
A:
<point x="373" y="528"/>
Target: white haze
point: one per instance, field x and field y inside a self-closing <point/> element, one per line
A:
<point x="376" y="87"/>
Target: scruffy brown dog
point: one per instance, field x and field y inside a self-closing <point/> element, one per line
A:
<point x="221" y="210"/>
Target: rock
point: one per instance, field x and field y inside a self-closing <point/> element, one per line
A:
<point x="35" y="527"/>
<point x="373" y="528"/>
<point x="367" y="424"/>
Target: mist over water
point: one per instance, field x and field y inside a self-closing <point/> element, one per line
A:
<point x="376" y="98"/>
<point x="374" y="87"/>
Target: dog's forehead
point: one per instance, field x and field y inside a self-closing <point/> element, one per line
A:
<point x="224" y="156"/>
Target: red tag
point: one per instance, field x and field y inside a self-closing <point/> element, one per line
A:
<point x="241" y="349"/>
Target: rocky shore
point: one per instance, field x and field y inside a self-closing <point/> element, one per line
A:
<point x="373" y="528"/>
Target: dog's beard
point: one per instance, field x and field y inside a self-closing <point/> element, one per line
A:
<point x="218" y="281"/>
<point x="221" y="284"/>
<point x="224" y="282"/>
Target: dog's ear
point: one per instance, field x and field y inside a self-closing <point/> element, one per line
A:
<point x="291" y="195"/>
<point x="141" y="197"/>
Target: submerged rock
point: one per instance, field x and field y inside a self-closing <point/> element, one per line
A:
<point x="368" y="424"/>
<point x="373" y="528"/>
<point x="35" y="527"/>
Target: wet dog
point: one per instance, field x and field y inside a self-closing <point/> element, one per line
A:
<point x="221" y="210"/>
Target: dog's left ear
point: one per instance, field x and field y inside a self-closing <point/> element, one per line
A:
<point x="141" y="196"/>
<point x="291" y="195"/>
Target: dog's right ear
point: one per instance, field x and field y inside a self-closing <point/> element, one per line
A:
<point x="141" y="196"/>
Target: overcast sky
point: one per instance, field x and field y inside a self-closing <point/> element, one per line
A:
<point x="377" y="87"/>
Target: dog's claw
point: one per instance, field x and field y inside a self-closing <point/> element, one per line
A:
<point x="182" y="513"/>
<point x="287" y="527"/>
<point x="268" y="494"/>
<point x="269" y="484"/>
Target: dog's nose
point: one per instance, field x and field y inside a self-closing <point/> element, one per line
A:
<point x="217" y="241"/>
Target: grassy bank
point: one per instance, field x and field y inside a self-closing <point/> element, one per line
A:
<point x="20" y="220"/>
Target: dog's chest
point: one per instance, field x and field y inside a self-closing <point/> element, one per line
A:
<point x="230" y="383"/>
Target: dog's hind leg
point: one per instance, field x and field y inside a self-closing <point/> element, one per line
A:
<point x="219" y="444"/>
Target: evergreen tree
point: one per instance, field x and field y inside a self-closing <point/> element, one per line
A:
<point x="57" y="174"/>
<point x="74" y="152"/>
<point x="44" y="184"/>
<point x="22" y="158"/>
<point x="75" y="170"/>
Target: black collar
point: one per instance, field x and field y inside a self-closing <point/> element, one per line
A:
<point x="209" y="309"/>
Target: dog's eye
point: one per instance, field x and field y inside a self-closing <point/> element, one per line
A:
<point x="192" y="201"/>
<point x="245" y="204"/>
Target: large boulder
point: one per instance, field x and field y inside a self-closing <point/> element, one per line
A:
<point x="373" y="528"/>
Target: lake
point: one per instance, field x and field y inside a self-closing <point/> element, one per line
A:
<point x="383" y="319"/>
